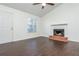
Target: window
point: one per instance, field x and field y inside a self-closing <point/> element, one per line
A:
<point x="31" y="26"/>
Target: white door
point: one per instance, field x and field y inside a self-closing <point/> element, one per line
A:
<point x="5" y="27"/>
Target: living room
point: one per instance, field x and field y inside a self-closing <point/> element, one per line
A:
<point x="30" y="28"/>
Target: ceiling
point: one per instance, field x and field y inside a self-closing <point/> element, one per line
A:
<point x="30" y="8"/>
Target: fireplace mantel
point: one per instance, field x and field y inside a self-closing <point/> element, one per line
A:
<point x="58" y="37"/>
<point x="58" y="24"/>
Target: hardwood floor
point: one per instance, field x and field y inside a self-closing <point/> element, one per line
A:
<point x="40" y="46"/>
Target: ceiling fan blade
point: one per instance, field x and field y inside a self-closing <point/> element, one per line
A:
<point x="50" y="3"/>
<point x="36" y="3"/>
<point x="42" y="7"/>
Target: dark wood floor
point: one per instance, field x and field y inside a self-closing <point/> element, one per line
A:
<point x="40" y="46"/>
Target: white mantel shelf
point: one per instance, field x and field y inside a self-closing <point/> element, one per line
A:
<point x="58" y="24"/>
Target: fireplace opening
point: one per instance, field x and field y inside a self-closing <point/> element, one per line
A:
<point x="58" y="32"/>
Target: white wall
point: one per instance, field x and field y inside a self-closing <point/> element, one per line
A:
<point x="19" y="20"/>
<point x="64" y="13"/>
<point x="5" y="27"/>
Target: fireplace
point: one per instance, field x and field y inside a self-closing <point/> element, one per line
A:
<point x="58" y="32"/>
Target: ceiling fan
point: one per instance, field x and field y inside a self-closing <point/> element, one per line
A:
<point x="44" y="4"/>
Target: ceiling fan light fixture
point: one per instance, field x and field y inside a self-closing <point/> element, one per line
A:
<point x="43" y="4"/>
